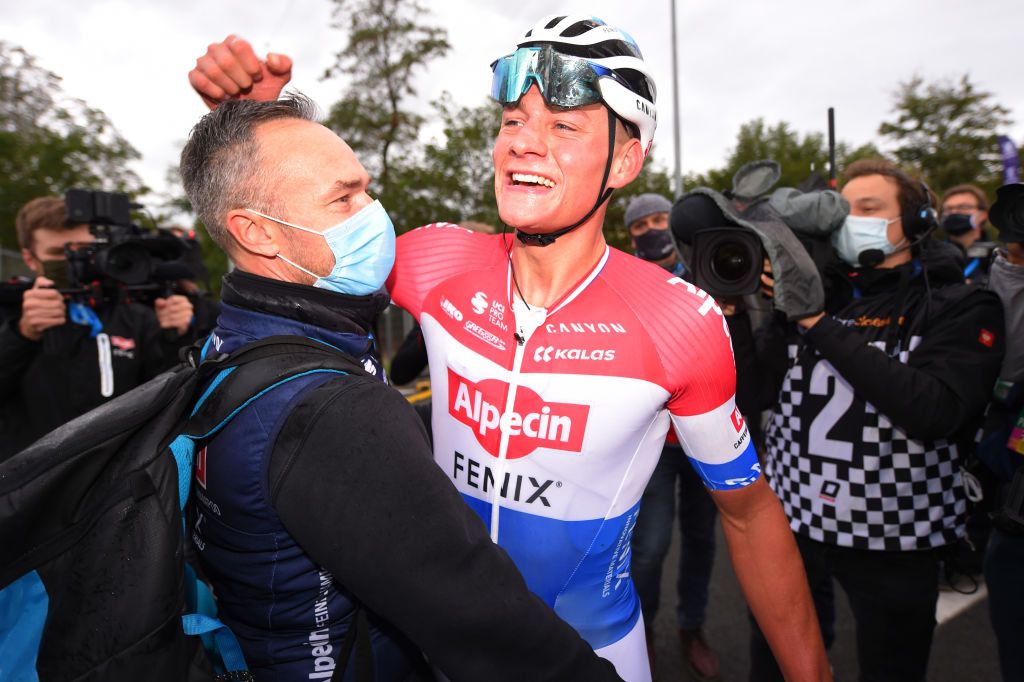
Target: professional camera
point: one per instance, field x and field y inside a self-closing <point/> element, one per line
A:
<point x="726" y="258"/>
<point x="728" y="235"/>
<point x="123" y="256"/>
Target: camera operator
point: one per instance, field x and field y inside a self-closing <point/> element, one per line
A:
<point x="964" y="216"/>
<point x="1002" y="444"/>
<point x="60" y="358"/>
<point x="880" y="394"/>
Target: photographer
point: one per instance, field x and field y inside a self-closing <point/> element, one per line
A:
<point x="1002" y="443"/>
<point x="880" y="394"/>
<point x="60" y="357"/>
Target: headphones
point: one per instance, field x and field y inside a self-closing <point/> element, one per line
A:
<point x="920" y="222"/>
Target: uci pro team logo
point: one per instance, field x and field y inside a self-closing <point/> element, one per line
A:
<point x="532" y="423"/>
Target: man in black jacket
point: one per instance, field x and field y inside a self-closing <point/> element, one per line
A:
<point x="61" y="358"/>
<point x="322" y="494"/>
<point x="876" y="400"/>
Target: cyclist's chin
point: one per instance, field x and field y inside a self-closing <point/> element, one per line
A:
<point x="532" y="214"/>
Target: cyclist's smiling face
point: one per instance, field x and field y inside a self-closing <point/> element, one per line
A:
<point x="548" y="162"/>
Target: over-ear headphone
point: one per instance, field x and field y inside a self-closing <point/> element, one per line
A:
<point x="920" y="222"/>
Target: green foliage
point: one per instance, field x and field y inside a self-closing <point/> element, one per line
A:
<point x="453" y="179"/>
<point x="388" y="43"/>
<point x="214" y="258"/>
<point x="799" y="156"/>
<point x="946" y="132"/>
<point x="49" y="143"/>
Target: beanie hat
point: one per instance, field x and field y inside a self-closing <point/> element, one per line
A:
<point x="644" y="205"/>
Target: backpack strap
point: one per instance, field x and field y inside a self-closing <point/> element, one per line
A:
<point x="269" y="363"/>
<point x="359" y="635"/>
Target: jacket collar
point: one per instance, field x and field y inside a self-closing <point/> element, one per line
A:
<point x="328" y="310"/>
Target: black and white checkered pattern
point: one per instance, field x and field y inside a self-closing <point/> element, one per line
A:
<point x="895" y="493"/>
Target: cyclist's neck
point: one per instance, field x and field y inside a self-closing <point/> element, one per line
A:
<point x="545" y="274"/>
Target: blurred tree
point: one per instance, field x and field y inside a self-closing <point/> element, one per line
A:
<point x="452" y="178"/>
<point x="388" y="42"/>
<point x="800" y="156"/>
<point x="946" y="131"/>
<point x="50" y="143"/>
<point x="175" y="204"/>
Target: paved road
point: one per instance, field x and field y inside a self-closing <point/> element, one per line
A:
<point x="964" y="649"/>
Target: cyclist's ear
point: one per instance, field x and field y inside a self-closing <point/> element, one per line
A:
<point x="627" y="161"/>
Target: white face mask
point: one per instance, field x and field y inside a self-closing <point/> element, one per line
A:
<point x="859" y="234"/>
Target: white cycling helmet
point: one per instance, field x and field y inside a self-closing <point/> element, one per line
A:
<point x="577" y="60"/>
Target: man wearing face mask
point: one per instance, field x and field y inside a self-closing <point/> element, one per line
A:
<point x="321" y="494"/>
<point x="964" y="216"/>
<point x="881" y="394"/>
<point x="647" y="224"/>
<point x="61" y="358"/>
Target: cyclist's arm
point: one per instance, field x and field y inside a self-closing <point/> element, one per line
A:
<point x="771" y="574"/>
<point x="354" y="481"/>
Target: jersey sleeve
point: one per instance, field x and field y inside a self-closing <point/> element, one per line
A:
<point x="429" y="255"/>
<point x="701" y="372"/>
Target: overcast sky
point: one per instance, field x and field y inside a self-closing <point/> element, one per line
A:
<point x="781" y="60"/>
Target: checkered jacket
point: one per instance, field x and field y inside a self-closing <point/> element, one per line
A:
<point x="866" y="439"/>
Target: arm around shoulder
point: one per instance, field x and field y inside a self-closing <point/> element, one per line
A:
<point x="353" y="480"/>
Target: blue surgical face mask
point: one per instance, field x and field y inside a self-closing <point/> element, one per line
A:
<point x="363" y="247"/>
<point x="859" y="234"/>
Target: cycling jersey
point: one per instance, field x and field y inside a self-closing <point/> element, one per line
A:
<point x="550" y="421"/>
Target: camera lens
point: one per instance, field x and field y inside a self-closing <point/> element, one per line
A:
<point x="726" y="261"/>
<point x="731" y="261"/>
<point x="127" y="262"/>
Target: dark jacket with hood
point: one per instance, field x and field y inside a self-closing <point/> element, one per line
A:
<point x="874" y="406"/>
<point x="323" y="494"/>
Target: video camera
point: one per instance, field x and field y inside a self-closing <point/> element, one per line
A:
<point x="123" y="257"/>
<point x="727" y="235"/>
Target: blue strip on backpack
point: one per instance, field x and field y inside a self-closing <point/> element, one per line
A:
<point x="23" y="608"/>
<point x="227" y="645"/>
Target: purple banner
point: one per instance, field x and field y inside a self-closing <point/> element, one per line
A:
<point x="1011" y="160"/>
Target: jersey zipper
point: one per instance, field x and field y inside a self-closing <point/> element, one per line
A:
<point x="534" y="318"/>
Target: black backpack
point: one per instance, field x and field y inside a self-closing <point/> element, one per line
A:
<point x="92" y="514"/>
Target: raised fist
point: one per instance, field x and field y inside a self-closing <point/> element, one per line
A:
<point x="231" y="70"/>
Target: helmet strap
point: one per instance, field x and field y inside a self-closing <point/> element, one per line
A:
<point x="603" y="194"/>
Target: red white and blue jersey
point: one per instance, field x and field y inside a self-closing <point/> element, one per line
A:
<point x="552" y="436"/>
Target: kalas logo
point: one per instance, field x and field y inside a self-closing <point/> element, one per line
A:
<point x="531" y="424"/>
<point x="479" y="302"/>
<point x="549" y="353"/>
